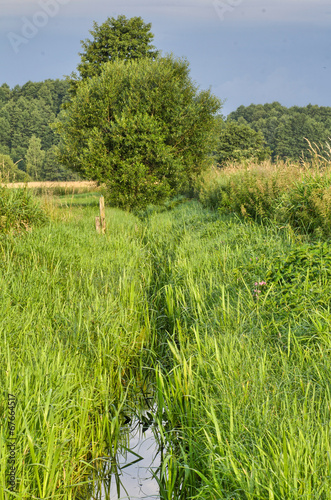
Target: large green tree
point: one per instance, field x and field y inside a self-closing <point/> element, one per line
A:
<point x="142" y="127"/>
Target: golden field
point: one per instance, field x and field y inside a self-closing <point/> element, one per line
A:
<point x="51" y="184"/>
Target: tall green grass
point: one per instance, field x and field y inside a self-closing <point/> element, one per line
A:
<point x="244" y="397"/>
<point x="168" y="304"/>
<point x="74" y="323"/>
<point x="298" y="194"/>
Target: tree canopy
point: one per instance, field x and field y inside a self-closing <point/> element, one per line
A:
<point x="35" y="158"/>
<point x="142" y="128"/>
<point x="238" y="142"/>
<point x="116" y="38"/>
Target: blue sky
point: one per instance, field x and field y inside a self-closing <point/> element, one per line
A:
<point x="247" y="51"/>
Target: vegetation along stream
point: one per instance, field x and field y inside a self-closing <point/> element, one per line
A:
<point x="186" y="324"/>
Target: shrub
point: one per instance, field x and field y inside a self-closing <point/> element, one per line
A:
<point x="250" y="189"/>
<point x="19" y="210"/>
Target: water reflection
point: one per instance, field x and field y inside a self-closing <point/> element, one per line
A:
<point x="130" y="474"/>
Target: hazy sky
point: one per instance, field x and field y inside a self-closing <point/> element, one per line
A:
<point x="247" y="51"/>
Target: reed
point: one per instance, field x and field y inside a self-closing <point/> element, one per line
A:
<point x="167" y="304"/>
<point x="74" y="324"/>
<point x="243" y="397"/>
<point x="295" y="193"/>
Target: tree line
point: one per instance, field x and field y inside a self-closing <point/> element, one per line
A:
<point x="28" y="144"/>
<point x="285" y="130"/>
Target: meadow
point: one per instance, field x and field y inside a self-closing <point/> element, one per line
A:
<point x="223" y="319"/>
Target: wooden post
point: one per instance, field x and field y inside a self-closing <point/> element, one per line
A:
<point x="102" y="214"/>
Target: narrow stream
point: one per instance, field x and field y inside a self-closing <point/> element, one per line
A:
<point x="129" y="475"/>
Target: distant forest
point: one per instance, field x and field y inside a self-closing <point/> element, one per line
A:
<point x="26" y="114"/>
<point x="285" y="129"/>
<point x="27" y="111"/>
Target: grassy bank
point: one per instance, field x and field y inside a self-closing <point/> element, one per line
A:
<point x="221" y="319"/>
<point x="248" y="395"/>
<point x="73" y="324"/>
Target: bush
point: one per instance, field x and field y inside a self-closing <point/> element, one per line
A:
<point x="250" y="190"/>
<point x="19" y="210"/>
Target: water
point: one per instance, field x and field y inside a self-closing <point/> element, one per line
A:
<point x="129" y="476"/>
